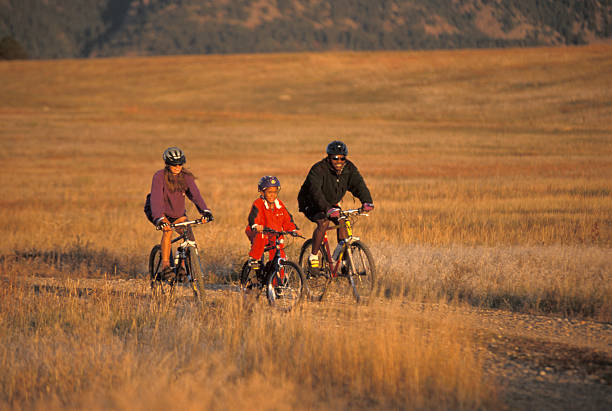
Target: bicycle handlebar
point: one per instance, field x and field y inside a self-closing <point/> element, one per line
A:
<point x="291" y="233"/>
<point x="353" y="211"/>
<point x="198" y="221"/>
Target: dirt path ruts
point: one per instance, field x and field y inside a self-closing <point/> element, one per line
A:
<point x="545" y="362"/>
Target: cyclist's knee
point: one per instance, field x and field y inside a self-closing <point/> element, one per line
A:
<point x="322" y="224"/>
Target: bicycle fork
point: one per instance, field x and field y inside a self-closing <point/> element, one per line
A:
<point x="278" y="272"/>
<point x="193" y="248"/>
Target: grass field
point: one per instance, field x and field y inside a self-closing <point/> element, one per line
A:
<point x="491" y="173"/>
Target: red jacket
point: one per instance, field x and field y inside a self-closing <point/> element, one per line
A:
<point x="276" y="217"/>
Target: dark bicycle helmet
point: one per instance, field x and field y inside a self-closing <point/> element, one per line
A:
<point x="267" y="182"/>
<point x="337" y="148"/>
<point x="174" y="156"/>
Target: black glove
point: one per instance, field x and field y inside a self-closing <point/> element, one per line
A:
<point x="161" y="223"/>
<point x="207" y="215"/>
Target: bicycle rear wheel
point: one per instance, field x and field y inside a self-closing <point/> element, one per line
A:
<point x="159" y="286"/>
<point x="194" y="269"/>
<point x="317" y="280"/>
<point x="285" y="287"/>
<point x="362" y="270"/>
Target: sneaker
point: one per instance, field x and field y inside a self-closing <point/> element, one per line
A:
<point x="313" y="261"/>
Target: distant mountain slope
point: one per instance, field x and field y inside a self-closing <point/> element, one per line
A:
<point x="88" y="28"/>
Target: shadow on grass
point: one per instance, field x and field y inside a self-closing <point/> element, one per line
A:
<point x="79" y="258"/>
<point x="546" y="303"/>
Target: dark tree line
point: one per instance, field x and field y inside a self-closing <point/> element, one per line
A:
<point x="10" y="49"/>
<point x="84" y="28"/>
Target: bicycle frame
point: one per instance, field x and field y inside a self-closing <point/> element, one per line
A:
<point x="353" y="261"/>
<point x="280" y="279"/>
<point x="186" y="256"/>
<point x="335" y="266"/>
<point x="181" y="250"/>
<point x="277" y="260"/>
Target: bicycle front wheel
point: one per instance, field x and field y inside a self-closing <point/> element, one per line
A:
<point x="360" y="265"/>
<point x="197" y="273"/>
<point x="159" y="286"/>
<point x="285" y="286"/>
<point x="317" y="279"/>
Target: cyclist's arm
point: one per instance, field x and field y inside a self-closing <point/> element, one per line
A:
<point x="157" y="195"/>
<point x="193" y="193"/>
<point x="255" y="219"/>
<point x="315" y="187"/>
<point x="358" y="187"/>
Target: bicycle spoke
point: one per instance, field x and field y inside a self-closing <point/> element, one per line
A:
<point x="361" y="267"/>
<point x="318" y="279"/>
<point x="285" y="287"/>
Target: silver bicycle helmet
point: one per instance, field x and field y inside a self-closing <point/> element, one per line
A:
<point x="174" y="156"/>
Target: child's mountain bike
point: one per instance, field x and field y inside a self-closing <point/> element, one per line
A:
<point x="351" y="262"/>
<point x="281" y="280"/>
<point x="185" y="263"/>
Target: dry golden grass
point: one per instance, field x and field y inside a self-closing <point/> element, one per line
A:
<point x="125" y="351"/>
<point x="492" y="148"/>
<point x="490" y="171"/>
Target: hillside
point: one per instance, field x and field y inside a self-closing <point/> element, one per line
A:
<point x="92" y="28"/>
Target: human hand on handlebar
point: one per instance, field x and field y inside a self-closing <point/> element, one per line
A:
<point x="162" y="223"/>
<point x="333" y="212"/>
<point x="367" y="207"/>
<point x="207" y="215"/>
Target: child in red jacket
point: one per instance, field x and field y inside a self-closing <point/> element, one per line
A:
<point x="267" y="211"/>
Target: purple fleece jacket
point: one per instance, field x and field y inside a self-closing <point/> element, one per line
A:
<point x="172" y="203"/>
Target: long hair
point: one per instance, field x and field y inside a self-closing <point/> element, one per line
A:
<point x="177" y="182"/>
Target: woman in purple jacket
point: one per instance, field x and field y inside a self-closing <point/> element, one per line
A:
<point x="166" y="202"/>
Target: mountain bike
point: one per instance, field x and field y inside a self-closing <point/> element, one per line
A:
<point x="351" y="260"/>
<point x="281" y="280"/>
<point x="185" y="263"/>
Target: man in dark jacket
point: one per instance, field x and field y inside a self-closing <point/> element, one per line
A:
<point x="324" y="187"/>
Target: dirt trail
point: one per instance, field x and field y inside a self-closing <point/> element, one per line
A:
<point x="540" y="362"/>
<point x="544" y="362"/>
